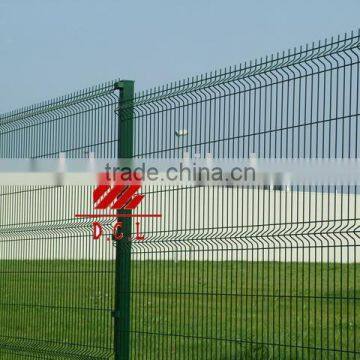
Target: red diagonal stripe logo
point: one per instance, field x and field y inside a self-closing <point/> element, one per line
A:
<point x="110" y="197"/>
<point x="134" y="202"/>
<point x="126" y="196"/>
<point x="99" y="192"/>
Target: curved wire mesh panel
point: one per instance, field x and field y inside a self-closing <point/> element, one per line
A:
<point x="227" y="272"/>
<point x="57" y="285"/>
<point x="251" y="272"/>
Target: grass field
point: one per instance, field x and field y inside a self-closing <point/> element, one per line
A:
<point x="182" y="310"/>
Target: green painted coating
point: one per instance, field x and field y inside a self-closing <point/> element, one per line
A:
<point x="123" y="247"/>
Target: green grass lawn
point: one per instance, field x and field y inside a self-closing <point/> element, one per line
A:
<point x="182" y="310"/>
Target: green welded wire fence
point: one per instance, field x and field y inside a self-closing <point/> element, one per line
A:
<point x="228" y="272"/>
<point x="57" y="287"/>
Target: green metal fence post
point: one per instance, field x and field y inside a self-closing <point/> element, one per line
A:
<point x="123" y="246"/>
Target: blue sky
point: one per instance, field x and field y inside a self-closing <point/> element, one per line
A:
<point x="49" y="48"/>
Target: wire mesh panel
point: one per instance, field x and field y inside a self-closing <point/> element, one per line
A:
<point x="228" y="272"/>
<point x="251" y="272"/>
<point x="57" y="285"/>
